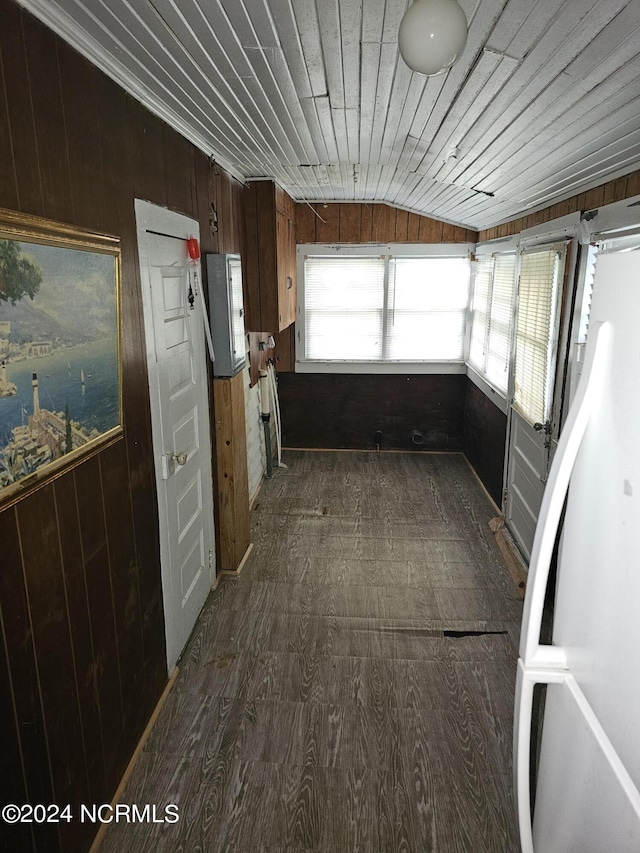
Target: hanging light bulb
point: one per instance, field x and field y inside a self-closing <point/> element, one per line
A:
<point x="432" y="35"/>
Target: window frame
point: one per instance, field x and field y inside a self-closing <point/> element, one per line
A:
<point x="364" y="250"/>
<point x="490" y="253"/>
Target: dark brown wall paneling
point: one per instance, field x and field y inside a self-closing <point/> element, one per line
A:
<point x="147" y="138"/>
<point x="23" y="150"/>
<point x="251" y="269"/>
<point x="344" y="411"/>
<point x="431" y="231"/>
<point x="49" y="120"/>
<point x="350" y="223"/>
<point x="118" y="520"/>
<point x="327" y="223"/>
<point x="44" y="570"/>
<point x="384" y="223"/>
<point x="179" y="171"/>
<point x="368" y="222"/>
<point x="228" y="197"/>
<point x="95" y="549"/>
<point x="262" y="199"/>
<point x="8" y="182"/>
<point x="402" y="226"/>
<point x="116" y="156"/>
<point x="12" y="781"/>
<point x="80" y="627"/>
<point x="306" y="219"/>
<point x="485" y="431"/>
<point x="25" y="692"/>
<point x="82" y="648"/>
<point x="265" y="205"/>
<point x="77" y="78"/>
<point x="413" y="228"/>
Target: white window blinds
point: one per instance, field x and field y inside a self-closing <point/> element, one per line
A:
<point x="426" y="315"/>
<point x="540" y="274"/>
<point x="343" y="301"/>
<point x="480" y="312"/>
<point x="501" y="320"/>
<point x="587" y="294"/>
<point x="385" y="308"/>
<point x="493" y="297"/>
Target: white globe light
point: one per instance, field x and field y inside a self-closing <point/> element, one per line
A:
<point x="432" y="35"/>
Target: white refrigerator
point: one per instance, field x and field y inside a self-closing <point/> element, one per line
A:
<point x="587" y="793"/>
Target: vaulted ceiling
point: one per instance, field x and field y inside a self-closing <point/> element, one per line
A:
<point x="544" y="102"/>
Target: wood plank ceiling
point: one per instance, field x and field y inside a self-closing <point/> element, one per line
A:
<point x="544" y="102"/>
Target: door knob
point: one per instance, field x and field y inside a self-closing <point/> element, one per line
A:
<point x="180" y="458"/>
<point x="546" y="426"/>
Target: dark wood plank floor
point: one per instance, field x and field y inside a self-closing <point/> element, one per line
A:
<point x="329" y="698"/>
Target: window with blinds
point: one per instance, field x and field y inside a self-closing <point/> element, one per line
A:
<point x="540" y="275"/>
<point x="480" y="312"/>
<point x="344" y="307"/>
<point x="427" y="311"/>
<point x="492" y="317"/>
<point x="385" y="308"/>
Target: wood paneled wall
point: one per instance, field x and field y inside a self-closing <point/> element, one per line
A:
<point x="226" y="213"/>
<point x="372" y="223"/>
<point x="263" y="201"/>
<point x="618" y="190"/>
<point x="331" y="410"/>
<point x="233" y="531"/>
<point x="82" y="647"/>
<point x="484" y="439"/>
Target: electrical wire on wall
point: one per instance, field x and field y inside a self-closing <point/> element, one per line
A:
<point x="270" y="405"/>
<point x="265" y="416"/>
<point x="273" y="386"/>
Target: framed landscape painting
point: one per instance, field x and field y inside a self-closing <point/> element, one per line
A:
<point x="60" y="375"/>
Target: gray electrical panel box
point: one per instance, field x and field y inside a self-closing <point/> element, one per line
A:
<point x="224" y="276"/>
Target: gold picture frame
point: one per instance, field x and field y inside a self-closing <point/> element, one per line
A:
<point x="60" y="349"/>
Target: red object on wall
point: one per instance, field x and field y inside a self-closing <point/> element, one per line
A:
<point x="193" y="248"/>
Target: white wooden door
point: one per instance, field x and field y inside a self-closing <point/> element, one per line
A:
<point x="526" y="478"/>
<point x="180" y="418"/>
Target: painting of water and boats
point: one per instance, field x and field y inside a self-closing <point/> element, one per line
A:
<point x="59" y="365"/>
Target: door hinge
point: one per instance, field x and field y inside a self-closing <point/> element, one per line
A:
<point x="210" y="559"/>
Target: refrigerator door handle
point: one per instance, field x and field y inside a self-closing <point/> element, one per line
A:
<point x="584" y="404"/>
<point x="527" y="678"/>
